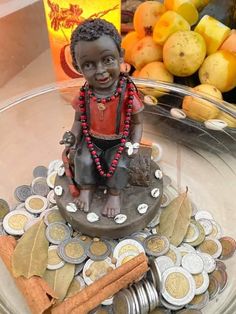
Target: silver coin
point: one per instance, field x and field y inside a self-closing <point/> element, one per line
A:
<point x="40" y="171"/>
<point x="40" y="187"/>
<point x="203" y="214"/>
<point x="155" y="274"/>
<point x="73" y="251"/>
<point x="123" y="302"/>
<point x="164" y="262"/>
<point x="57" y="232"/>
<point x="156" y="220"/>
<point x="142" y="297"/>
<point x="140" y="235"/>
<point x="79" y="268"/>
<point x="207" y="225"/>
<point x="208" y="262"/>
<point x="193" y="263"/>
<point x="168" y="305"/>
<point x="151" y="294"/>
<point x="22" y="192"/>
<point x="216" y="230"/>
<point x="137" y="306"/>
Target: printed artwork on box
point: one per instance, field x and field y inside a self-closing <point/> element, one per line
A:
<point x="63" y="17"/>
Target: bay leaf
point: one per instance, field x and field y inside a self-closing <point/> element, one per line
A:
<point x="74" y="287"/>
<point x="31" y="253"/>
<point x="175" y="219"/>
<point x="60" y="279"/>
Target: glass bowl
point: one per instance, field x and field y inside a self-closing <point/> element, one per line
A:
<point x="203" y="159"/>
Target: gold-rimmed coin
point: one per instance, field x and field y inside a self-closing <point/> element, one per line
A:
<point x="211" y="246"/>
<point x="156" y="245"/>
<point x="93" y="270"/>
<point x="126" y="246"/>
<point x="36" y="204"/>
<point x="57" y="232"/>
<point x="213" y="288"/>
<point x="201" y="236"/>
<point x="198" y="302"/>
<point x="228" y="247"/>
<point x="221" y="276"/>
<point x="51" y="178"/>
<point x="14" y="222"/>
<point x="72" y="251"/>
<point x="54" y="260"/>
<point x="216" y="230"/>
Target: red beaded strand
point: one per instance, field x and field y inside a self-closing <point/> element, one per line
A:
<point x="126" y="129"/>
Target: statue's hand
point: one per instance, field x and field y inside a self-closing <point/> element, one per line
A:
<point x="68" y="139"/>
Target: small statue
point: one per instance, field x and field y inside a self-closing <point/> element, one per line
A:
<point x="108" y="126"/>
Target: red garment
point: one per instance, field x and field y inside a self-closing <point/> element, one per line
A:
<point x="103" y="122"/>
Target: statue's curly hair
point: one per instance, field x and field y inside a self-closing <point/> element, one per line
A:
<point x="90" y="30"/>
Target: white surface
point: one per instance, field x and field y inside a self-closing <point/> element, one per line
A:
<point x="9" y="6"/>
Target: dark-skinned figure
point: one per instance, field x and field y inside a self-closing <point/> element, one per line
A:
<point x="107" y="127"/>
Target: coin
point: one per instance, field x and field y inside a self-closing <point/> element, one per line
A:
<point x="142" y="297"/>
<point x="123" y="302"/>
<point x="161" y="310"/>
<point x="79" y="268"/>
<point x="216" y="230"/>
<point x="99" y="250"/>
<point x="201" y="236"/>
<point x="97" y="269"/>
<point x="14" y="222"/>
<point x="185" y="249"/>
<point x="39" y="186"/>
<point x="208" y="262"/>
<point x="72" y="251"/>
<point x="140" y="235"/>
<point x="156" y="245"/>
<point x="164" y="262"/>
<point x="174" y="254"/>
<point x="165" y="199"/>
<point x="76" y="285"/>
<point x="192" y="233"/>
<point x="206" y="224"/>
<point x="169" y="306"/>
<point x="142" y="208"/>
<point x="40" y="171"/>
<point x="151" y="294"/>
<point x="22" y="192"/>
<point x="213" y="288"/>
<point x="127" y="245"/>
<point x="199" y="301"/>
<point x="154" y="274"/>
<point x="220" y="264"/>
<point x="53" y="215"/>
<point x="189" y="311"/>
<point x="221" y="276"/>
<point x="51" y="178"/>
<point x="57" y="232"/>
<point x="228" y="247"/>
<point x="156" y="220"/>
<point x="125" y="257"/>
<point x="203" y="214"/>
<point x="31" y="222"/>
<point x="135" y="299"/>
<point x="36" y="204"/>
<point x="178" y="286"/>
<point x="193" y="263"/>
<point x="201" y="282"/>
<point x="211" y="246"/>
<point x="54" y="260"/>
<point x="4" y="208"/>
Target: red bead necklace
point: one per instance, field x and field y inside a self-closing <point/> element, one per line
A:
<point x="126" y="129"/>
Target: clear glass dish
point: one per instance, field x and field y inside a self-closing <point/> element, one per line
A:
<point x="32" y="125"/>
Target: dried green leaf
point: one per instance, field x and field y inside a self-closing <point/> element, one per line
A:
<point x="60" y="279"/>
<point x="74" y="288"/>
<point x="31" y="253"/>
<point x="175" y="219"/>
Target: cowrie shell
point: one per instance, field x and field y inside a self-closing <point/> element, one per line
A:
<point x="92" y="217"/>
<point x="120" y="218"/>
<point x="155" y="192"/>
<point x="61" y="171"/>
<point x="142" y="208"/>
<point x="158" y="174"/>
<point x="215" y="124"/>
<point x="177" y="113"/>
<point x="58" y="190"/>
<point x="150" y="100"/>
<point x="71" y="207"/>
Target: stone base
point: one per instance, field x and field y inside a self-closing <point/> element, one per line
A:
<point x="131" y="197"/>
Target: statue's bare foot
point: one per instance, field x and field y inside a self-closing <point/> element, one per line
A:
<point x="83" y="201"/>
<point x="112" y="207"/>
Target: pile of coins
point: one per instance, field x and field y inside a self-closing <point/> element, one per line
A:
<point x="180" y="278"/>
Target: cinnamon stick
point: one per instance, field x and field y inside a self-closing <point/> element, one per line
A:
<point x="111" y="289"/>
<point x="93" y="289"/>
<point x="38" y="295"/>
